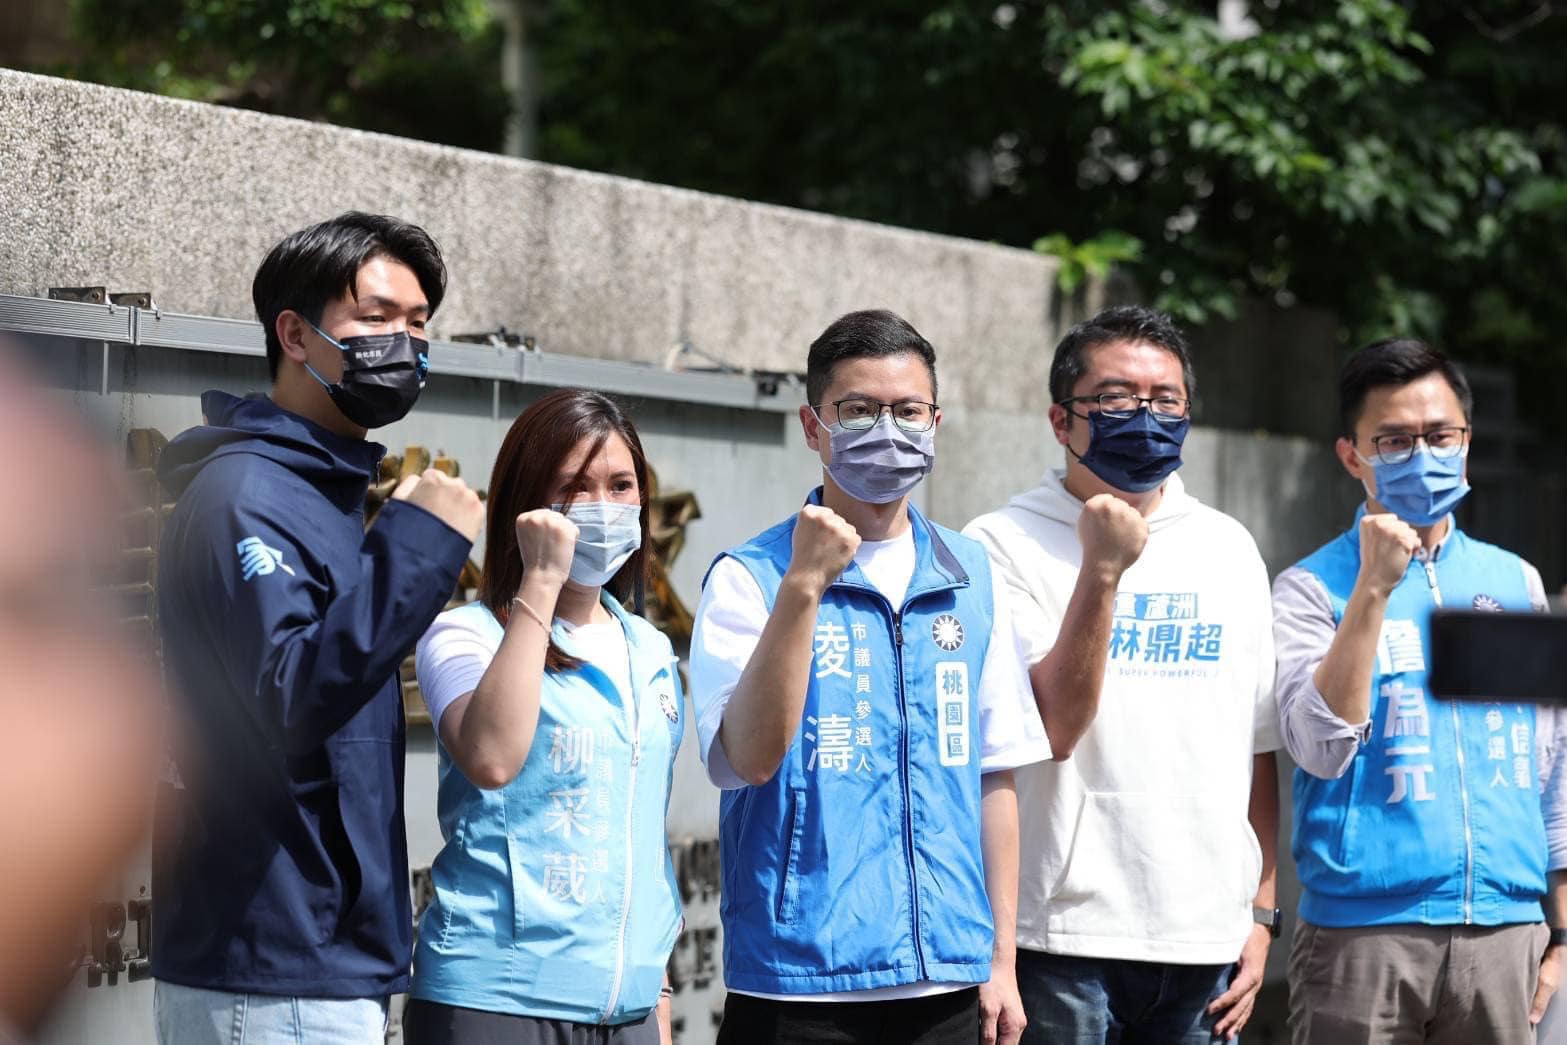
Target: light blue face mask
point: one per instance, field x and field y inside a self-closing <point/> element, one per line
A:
<point x="608" y="533"/>
<point x="1422" y="490"/>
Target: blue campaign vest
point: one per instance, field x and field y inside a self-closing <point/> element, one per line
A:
<point x="1437" y="820"/>
<point x="858" y="865"/>
<point x="555" y="896"/>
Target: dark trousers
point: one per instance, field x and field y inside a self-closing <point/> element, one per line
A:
<point x="1095" y="1001"/>
<point x="940" y="1019"/>
<point x="432" y="1023"/>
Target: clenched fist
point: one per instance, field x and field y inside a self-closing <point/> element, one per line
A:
<point x="824" y="543"/>
<point x="1112" y="533"/>
<point x="446" y="498"/>
<point x="1386" y="545"/>
<point x="548" y="543"/>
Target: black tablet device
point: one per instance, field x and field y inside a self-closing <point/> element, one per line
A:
<point x="1477" y="655"/>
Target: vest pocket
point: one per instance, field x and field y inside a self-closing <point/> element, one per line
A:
<point x="789" y="877"/>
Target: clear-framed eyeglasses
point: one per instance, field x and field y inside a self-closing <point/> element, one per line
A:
<point x="1398" y="447"/>
<point x="1121" y="405"/>
<point x="858" y="413"/>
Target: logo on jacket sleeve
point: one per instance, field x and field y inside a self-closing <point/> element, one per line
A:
<point x="1487" y="603"/>
<point x="258" y="560"/>
<point x="947" y="632"/>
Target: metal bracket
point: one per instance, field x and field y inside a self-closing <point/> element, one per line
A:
<point x="107" y="955"/>
<point x="500" y="337"/>
<point x="87" y="295"/>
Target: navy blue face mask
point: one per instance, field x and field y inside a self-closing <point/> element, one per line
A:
<point x="1133" y="453"/>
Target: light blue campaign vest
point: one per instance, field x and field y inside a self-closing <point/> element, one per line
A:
<point x="859" y="864"/>
<point x="1437" y="820"/>
<point x="555" y="896"/>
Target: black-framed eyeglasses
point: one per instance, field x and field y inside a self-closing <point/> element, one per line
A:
<point x="1398" y="447"/>
<point x="1168" y="409"/>
<point x="858" y="413"/>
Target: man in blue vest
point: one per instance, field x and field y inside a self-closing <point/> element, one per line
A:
<point x="860" y="698"/>
<point x="1425" y="846"/>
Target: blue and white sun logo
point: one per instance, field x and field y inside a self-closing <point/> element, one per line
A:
<point x="666" y="702"/>
<point x="947" y="631"/>
<point x="1488" y="604"/>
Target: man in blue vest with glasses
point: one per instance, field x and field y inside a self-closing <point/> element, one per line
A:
<point x="860" y="697"/>
<point x="1428" y="855"/>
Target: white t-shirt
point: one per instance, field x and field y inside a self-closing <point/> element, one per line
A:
<point x="454" y="653"/>
<point x="729" y="622"/>
<point x="1138" y="847"/>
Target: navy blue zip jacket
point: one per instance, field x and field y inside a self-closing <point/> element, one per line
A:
<point x="281" y="864"/>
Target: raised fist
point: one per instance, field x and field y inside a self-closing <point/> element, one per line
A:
<point x="1112" y="533"/>
<point x="446" y="498"/>
<point x="824" y="543"/>
<point x="1386" y="545"/>
<point x="548" y="543"/>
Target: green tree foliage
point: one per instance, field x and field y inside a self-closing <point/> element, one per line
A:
<point x="421" y="69"/>
<point x="1399" y="164"/>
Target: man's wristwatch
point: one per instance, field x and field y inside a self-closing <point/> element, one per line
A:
<point x="1558" y="938"/>
<point x="1274" y="920"/>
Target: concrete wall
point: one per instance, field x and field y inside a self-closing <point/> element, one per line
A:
<point x="141" y="192"/>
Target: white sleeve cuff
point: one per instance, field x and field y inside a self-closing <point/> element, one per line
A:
<point x="719" y="771"/>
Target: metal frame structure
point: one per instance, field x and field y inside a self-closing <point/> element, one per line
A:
<point x="117" y="324"/>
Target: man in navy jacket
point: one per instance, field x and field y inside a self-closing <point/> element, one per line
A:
<point x="281" y="874"/>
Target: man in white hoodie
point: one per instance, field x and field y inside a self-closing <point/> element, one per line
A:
<point x="1146" y="887"/>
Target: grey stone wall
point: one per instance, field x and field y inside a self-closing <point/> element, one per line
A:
<point x="147" y="193"/>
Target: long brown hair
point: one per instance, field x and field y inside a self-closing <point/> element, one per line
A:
<point x="524" y="479"/>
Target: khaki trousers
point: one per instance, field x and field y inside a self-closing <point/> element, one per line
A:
<point x="1414" y="984"/>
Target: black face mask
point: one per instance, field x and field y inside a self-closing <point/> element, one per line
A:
<point x="382" y="376"/>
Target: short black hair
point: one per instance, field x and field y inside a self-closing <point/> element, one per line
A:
<point x="1111" y="326"/>
<point x="1394" y="361"/>
<point x="871" y="333"/>
<point x="315" y="266"/>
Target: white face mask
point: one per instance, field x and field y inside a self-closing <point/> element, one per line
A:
<point x="608" y="533"/>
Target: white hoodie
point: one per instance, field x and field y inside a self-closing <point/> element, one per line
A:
<point x="1138" y="846"/>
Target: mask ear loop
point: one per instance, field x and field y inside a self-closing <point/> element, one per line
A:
<point x="329" y="339"/>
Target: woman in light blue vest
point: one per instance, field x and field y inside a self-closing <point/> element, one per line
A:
<point x="558" y="714"/>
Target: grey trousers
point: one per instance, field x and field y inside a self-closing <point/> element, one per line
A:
<point x="1414" y="984"/>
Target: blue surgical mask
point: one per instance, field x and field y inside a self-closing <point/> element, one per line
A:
<point x="608" y="533"/>
<point x="1423" y="490"/>
<point x="1134" y="453"/>
<point x="881" y="463"/>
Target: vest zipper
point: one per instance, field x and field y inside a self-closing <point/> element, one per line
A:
<point x="908" y="796"/>
<point x="633" y="709"/>
<point x="1463" y="772"/>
